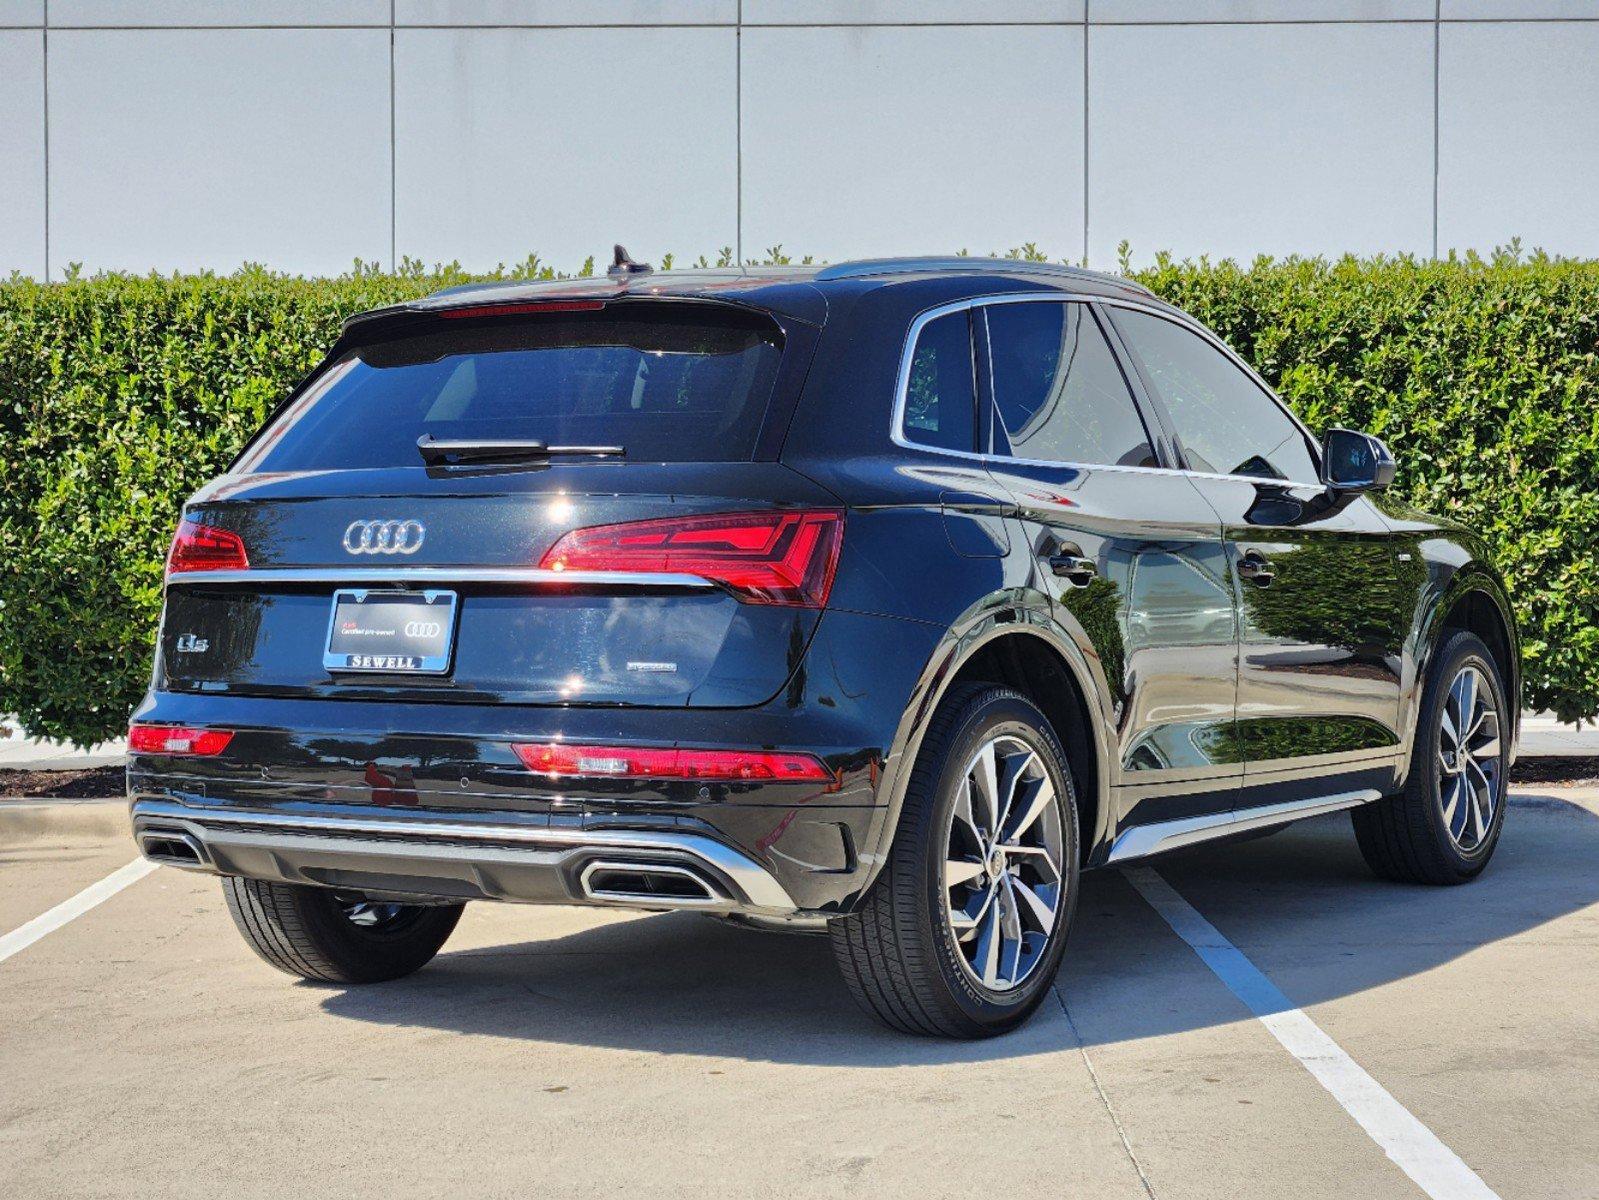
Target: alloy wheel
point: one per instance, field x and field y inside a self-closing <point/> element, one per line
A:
<point x="1469" y="761"/>
<point x="1004" y="874"/>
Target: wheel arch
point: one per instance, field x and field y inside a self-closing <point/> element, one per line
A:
<point x="1022" y="648"/>
<point x="1475" y="601"/>
<point x="1478" y="611"/>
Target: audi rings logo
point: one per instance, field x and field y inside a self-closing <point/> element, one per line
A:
<point x="384" y="537"/>
<point x="423" y="629"/>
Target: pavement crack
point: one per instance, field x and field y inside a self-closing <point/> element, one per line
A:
<point x="1099" y="1088"/>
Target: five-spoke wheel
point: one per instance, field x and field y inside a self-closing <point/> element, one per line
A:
<point x="1442" y="828"/>
<point x="963" y="931"/>
<point x="1002" y="863"/>
<point x="1469" y="758"/>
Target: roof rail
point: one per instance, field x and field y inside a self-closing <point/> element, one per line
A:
<point x="866" y="267"/>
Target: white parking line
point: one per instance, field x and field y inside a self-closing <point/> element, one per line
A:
<point x="24" y="936"/>
<point x="1434" y="1167"/>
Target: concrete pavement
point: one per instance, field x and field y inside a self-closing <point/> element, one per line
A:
<point x="144" y="1050"/>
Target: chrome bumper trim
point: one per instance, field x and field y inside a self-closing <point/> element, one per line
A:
<point x="759" y="888"/>
<point x="401" y="573"/>
<point x="1143" y="840"/>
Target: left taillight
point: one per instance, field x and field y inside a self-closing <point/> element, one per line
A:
<point x="197" y="547"/>
<point x="783" y="557"/>
<point x="177" y="739"/>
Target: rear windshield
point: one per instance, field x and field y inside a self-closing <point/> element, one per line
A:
<point x="666" y="382"/>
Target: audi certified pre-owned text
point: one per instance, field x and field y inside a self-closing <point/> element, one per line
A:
<point x="878" y="600"/>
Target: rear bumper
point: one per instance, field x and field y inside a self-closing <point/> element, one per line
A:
<point x="404" y="770"/>
<point x="449" y="856"/>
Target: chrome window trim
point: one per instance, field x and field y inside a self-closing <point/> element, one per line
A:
<point x="902" y="382"/>
<point x="903" y="376"/>
<point x="1183" y="321"/>
<point x="383" y="573"/>
<point x="1133" y="399"/>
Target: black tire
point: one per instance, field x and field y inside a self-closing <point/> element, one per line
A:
<point x="1405" y="838"/>
<point x="897" y="951"/>
<point x="306" y="931"/>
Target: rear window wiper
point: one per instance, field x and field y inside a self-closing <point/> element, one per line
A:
<point x="443" y="451"/>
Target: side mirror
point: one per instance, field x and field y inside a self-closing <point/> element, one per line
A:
<point x="1355" y="462"/>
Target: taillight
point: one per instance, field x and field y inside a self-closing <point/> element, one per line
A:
<point x="177" y="739"/>
<point x="777" y="557"/>
<point x="558" y="759"/>
<point x="199" y="547"/>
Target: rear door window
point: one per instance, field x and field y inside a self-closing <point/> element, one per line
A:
<point x="666" y="382"/>
<point x="1058" y="391"/>
<point x="940" y="393"/>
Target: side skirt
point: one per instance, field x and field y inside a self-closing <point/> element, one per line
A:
<point x="1143" y="840"/>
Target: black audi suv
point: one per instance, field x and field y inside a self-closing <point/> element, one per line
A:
<point x="879" y="599"/>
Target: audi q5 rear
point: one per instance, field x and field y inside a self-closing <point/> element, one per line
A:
<point x="876" y="600"/>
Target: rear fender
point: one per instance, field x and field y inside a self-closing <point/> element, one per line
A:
<point x="1012" y="612"/>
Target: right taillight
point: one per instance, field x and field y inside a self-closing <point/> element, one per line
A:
<point x="563" y="760"/>
<point x="776" y="557"/>
<point x="198" y="547"/>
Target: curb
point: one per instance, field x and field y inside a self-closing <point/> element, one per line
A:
<point x="34" y="820"/>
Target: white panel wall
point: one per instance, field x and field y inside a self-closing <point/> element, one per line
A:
<point x="566" y="12"/>
<point x="1518" y="146"/>
<point x="181" y="149"/>
<point x="22" y="150"/>
<point x="856" y="143"/>
<point x="215" y="13"/>
<point x="560" y="142"/>
<point x="1187" y="11"/>
<point x="14" y="13"/>
<point x="1513" y="10"/>
<point x="1210" y="139"/>
<point x="910" y="12"/>
<point x="304" y="133"/>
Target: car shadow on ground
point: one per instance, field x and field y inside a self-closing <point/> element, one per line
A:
<point x="1300" y="903"/>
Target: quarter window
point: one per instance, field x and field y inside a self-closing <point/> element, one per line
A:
<point x="1226" y="423"/>
<point x="940" y="396"/>
<point x="1059" y="393"/>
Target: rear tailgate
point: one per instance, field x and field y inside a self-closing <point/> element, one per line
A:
<point x="333" y="505"/>
<point x="522" y="635"/>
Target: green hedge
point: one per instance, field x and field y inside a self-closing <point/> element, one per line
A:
<point x="120" y="395"/>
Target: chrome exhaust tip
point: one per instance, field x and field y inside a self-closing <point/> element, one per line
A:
<point x="173" y="848"/>
<point x="650" y="885"/>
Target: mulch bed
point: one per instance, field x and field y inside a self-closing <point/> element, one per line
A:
<point x="106" y="783"/>
<point x="98" y="783"/>
<point x="1556" y="770"/>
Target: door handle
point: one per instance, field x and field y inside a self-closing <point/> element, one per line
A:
<point x="1069" y="563"/>
<point x="1257" y="568"/>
